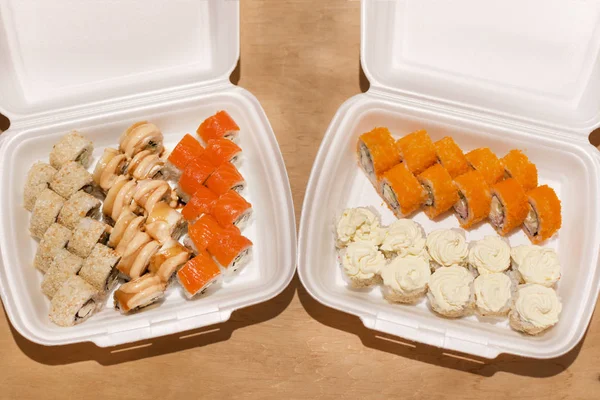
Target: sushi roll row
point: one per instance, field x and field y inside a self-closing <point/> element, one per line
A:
<point x="415" y="173"/>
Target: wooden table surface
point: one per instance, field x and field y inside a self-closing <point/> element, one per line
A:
<point x="301" y="59"/>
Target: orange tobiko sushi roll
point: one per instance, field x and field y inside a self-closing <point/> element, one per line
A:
<point x="517" y="165"/>
<point x="201" y="202"/>
<point x="193" y="177"/>
<point x="226" y="177"/>
<point x="402" y="191"/>
<point x="544" y="218"/>
<point x="220" y="125"/>
<point x="231" y="209"/>
<point x="206" y="230"/>
<point x="451" y="157"/>
<point x="441" y="191"/>
<point x="474" y="200"/>
<point x="486" y="162"/>
<point x="509" y="206"/>
<point x="187" y="150"/>
<point x="198" y="274"/>
<point x="377" y="153"/>
<point x="417" y="151"/>
<point x="219" y="151"/>
<point x="231" y="251"/>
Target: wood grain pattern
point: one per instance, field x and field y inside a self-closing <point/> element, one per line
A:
<point x="301" y="59"/>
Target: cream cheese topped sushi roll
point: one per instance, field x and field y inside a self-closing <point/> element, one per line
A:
<point x="493" y="293"/>
<point x="491" y="254"/>
<point x="405" y="237"/>
<point x="447" y="247"/>
<point x="405" y="279"/>
<point x="535" y="309"/>
<point x="362" y="262"/>
<point x="72" y="147"/>
<point x="358" y="225"/>
<point x="536" y="264"/>
<point x="451" y="291"/>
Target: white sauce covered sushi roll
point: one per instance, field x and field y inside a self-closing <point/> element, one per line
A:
<point x="71" y="178"/>
<point x="119" y="197"/>
<point x="405" y="279"/>
<point x="489" y="255"/>
<point x="404" y="237"/>
<point x="362" y="262"/>
<point x="535" y="264"/>
<point x="358" y="225"/>
<point x="493" y="292"/>
<point x="165" y="223"/>
<point x="535" y="309"/>
<point x="139" y="137"/>
<point x="147" y="165"/>
<point x="85" y="236"/>
<point x="64" y="265"/>
<point x="38" y="178"/>
<point x="139" y="293"/>
<point x="77" y="207"/>
<point x="111" y="165"/>
<point x="451" y="291"/>
<point x="55" y="238"/>
<point x="74" y="302"/>
<point x="45" y="212"/>
<point x="99" y="268"/>
<point x="150" y="192"/>
<point x="447" y="247"/>
<point x="171" y="256"/>
<point x="72" y="147"/>
<point x="137" y="255"/>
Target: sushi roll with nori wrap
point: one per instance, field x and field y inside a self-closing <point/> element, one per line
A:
<point x="509" y="206"/>
<point x="55" y="238"/>
<point x="544" y="217"/>
<point x="474" y="200"/>
<point x="38" y="178"/>
<point x="226" y="177"/>
<point x="486" y="162"/>
<point x="377" y="153"/>
<point x="168" y="259"/>
<point x="401" y="191"/>
<point x="75" y="301"/>
<point x="231" y="251"/>
<point x="45" y="212"/>
<point x="517" y="165"/>
<point x="417" y="151"/>
<point x="99" y="268"/>
<point x="79" y="206"/>
<point x="139" y="293"/>
<point x="198" y="274"/>
<point x="451" y="157"/>
<point x="64" y="265"/>
<point x="220" y="125"/>
<point x="72" y="147"/>
<point x="111" y="165"/>
<point x="139" y="137"/>
<point x="85" y="236"/>
<point x="165" y="223"/>
<point x="441" y="191"/>
<point x="70" y="179"/>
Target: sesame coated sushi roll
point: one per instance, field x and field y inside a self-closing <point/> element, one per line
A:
<point x="232" y="251"/>
<point x="45" y="211"/>
<point x="493" y="294"/>
<point x="535" y="308"/>
<point x="535" y="264"/>
<point x="137" y="255"/>
<point x="417" y="151"/>
<point x="187" y="150"/>
<point x="358" y="224"/>
<point x="362" y="262"/>
<point x="139" y="137"/>
<point x="147" y="165"/>
<point x="232" y="209"/>
<point x="451" y="291"/>
<point x="509" y="206"/>
<point x="544" y="217"/>
<point x="205" y="231"/>
<point x="447" y="247"/>
<point x="226" y="177"/>
<point x="55" y="238"/>
<point x="405" y="279"/>
<point x="517" y="165"/>
<point x="165" y="223"/>
<point x="486" y="162"/>
<point x="79" y="206"/>
<point x="402" y="191"/>
<point x="111" y="165"/>
<point x="71" y="178"/>
<point x="169" y="258"/>
<point x="219" y="151"/>
<point x="139" y="293"/>
<point x="489" y="255"/>
<point x="38" y="178"/>
<point x="193" y="177"/>
<point x="220" y="125"/>
<point x="377" y="153"/>
<point x="474" y="200"/>
<point x="72" y="147"/>
<point x="202" y="202"/>
<point x="451" y="157"/>
<point x="98" y="268"/>
<point x="85" y="236"/>
<point x="75" y="301"/>
<point x="64" y="265"/>
<point x="198" y="274"/>
<point x="441" y="191"/>
<point x="119" y="198"/>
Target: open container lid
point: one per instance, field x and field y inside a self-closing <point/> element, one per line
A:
<point x="67" y="55"/>
<point x="534" y="62"/>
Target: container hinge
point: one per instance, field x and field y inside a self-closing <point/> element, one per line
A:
<point x="471" y="344"/>
<point x="408" y="328"/>
<point x="191" y="319"/>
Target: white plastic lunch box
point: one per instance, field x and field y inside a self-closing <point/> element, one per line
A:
<point x="504" y="75"/>
<point x="98" y="67"/>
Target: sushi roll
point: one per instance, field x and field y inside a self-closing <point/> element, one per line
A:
<point x="75" y="301"/>
<point x="404" y="237"/>
<point x="517" y="165"/>
<point x="202" y="202"/>
<point x="535" y="264"/>
<point x="79" y="206"/>
<point x="451" y="291"/>
<point x="193" y="177"/>
<point x="401" y="191"/>
<point x="165" y="223"/>
<point x="451" y="157"/>
<point x="86" y="234"/>
<point x="226" y="177"/>
<point x="474" y="199"/>
<point x="219" y="151"/>
<point x="358" y="225"/>
<point x="232" y="251"/>
<point x="139" y="137"/>
<point x="489" y="255"/>
<point x="150" y="192"/>
<point x="55" y="238"/>
<point x="205" y="231"/>
<point x="137" y="255"/>
<point x="38" y="178"/>
<point x="417" y="151"/>
<point x="111" y="165"/>
<point x="71" y="178"/>
<point x="64" y="265"/>
<point x="535" y="308"/>
<point x="120" y="226"/>
<point x="447" y="247"/>
<point x="119" y="198"/>
<point x="168" y="259"/>
<point x="147" y="165"/>
<point x="198" y="274"/>
<point x="377" y="153"/>
<point x="45" y="212"/>
<point x="72" y="147"/>
<point x="493" y="294"/>
<point x="139" y="293"/>
<point x="131" y="230"/>
<point x="486" y="162"/>
<point x="544" y="216"/>
<point x="405" y="279"/>
<point x="509" y="206"/>
<point x="98" y="268"/>
<point x="232" y="209"/>
<point x="441" y="191"/>
<point x="361" y="263"/>
<point x="220" y="125"/>
<point x="187" y="150"/>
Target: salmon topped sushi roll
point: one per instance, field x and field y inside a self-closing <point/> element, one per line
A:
<point x="220" y="125"/>
<point x="204" y="231"/>
<point x="509" y="206"/>
<point x="451" y="157"/>
<point x="231" y="251"/>
<point x="225" y="178"/>
<point x="193" y="177"/>
<point x="201" y="202"/>
<point x="417" y="151"/>
<point x="165" y="223"/>
<point x="141" y="136"/>
<point x="198" y="274"/>
<point x="186" y="151"/>
<point x="219" y="151"/>
<point x="486" y="162"/>
<point x="441" y="191"/>
<point x="139" y="293"/>
<point x="517" y="165"/>
<point x="232" y="209"/>
<point x="544" y="217"/>
<point x="474" y="200"/>
<point x="402" y="191"/>
<point x="377" y="153"/>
